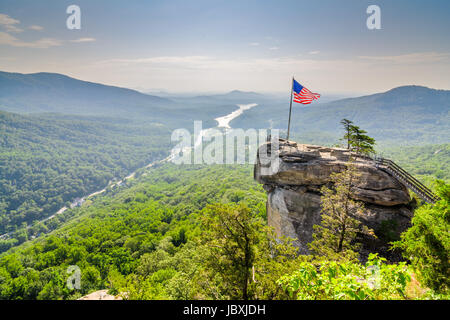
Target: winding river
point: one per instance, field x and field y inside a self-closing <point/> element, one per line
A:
<point x="222" y="122"/>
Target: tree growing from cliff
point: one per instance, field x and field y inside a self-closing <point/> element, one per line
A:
<point x="356" y="138"/>
<point x="334" y="238"/>
<point x="361" y="142"/>
<point x="347" y="124"/>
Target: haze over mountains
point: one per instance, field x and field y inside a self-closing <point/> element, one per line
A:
<point x="409" y="113"/>
<point x="57" y="93"/>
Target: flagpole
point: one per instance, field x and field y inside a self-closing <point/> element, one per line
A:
<point x="290" y="109"/>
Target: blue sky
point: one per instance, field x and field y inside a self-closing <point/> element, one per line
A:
<point x="217" y="46"/>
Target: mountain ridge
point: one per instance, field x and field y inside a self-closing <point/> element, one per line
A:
<point x="46" y="77"/>
<point x="31" y="76"/>
<point x="397" y="90"/>
<point x="53" y="92"/>
<point x="415" y="114"/>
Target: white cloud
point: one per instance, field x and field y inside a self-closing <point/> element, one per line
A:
<point x="7" y="39"/>
<point x="255" y="44"/>
<point x="274" y="48"/>
<point x="193" y="73"/>
<point x="314" y="52"/>
<point x="12" y="28"/>
<point x="7" y="20"/>
<point x="186" y="62"/>
<point x="9" y="23"/>
<point x="410" y="58"/>
<point x="36" y="28"/>
<point x="83" y="40"/>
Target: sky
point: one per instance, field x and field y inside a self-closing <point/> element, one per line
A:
<point x="218" y="46"/>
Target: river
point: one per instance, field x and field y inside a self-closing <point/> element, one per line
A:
<point x="222" y="122"/>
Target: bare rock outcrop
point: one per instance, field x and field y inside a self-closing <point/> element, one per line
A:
<point x="293" y="187"/>
<point x="100" y="295"/>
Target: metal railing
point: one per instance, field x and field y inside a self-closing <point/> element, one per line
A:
<point x="408" y="180"/>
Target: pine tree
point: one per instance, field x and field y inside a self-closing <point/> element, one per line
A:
<point x="356" y="138"/>
<point x="361" y="142"/>
<point x="347" y="124"/>
<point x="334" y="237"/>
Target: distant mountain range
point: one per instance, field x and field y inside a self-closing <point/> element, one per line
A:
<point x="403" y="115"/>
<point x="232" y="96"/>
<point x="57" y="93"/>
<point x="408" y="114"/>
<point x="51" y="92"/>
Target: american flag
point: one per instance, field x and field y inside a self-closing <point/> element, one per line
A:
<point x="303" y="95"/>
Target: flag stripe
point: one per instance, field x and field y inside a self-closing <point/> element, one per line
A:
<point x="303" y="95"/>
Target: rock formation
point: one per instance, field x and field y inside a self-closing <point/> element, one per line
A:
<point x="100" y="295"/>
<point x="293" y="187"/>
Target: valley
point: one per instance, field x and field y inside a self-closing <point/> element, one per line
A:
<point x="80" y="188"/>
<point x="222" y="122"/>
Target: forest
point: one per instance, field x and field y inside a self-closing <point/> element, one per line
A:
<point x="48" y="160"/>
<point x="156" y="238"/>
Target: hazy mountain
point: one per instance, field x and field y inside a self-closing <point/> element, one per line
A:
<point x="235" y="97"/>
<point x="237" y="94"/>
<point x="51" y="92"/>
<point x="420" y="98"/>
<point x="57" y="93"/>
<point x="406" y="115"/>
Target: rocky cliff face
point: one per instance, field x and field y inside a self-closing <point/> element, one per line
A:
<point x="293" y="187"/>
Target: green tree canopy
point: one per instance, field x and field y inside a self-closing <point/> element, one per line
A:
<point x="334" y="237"/>
<point x="427" y="243"/>
<point x="356" y="138"/>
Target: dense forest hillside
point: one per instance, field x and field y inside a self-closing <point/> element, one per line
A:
<point x="150" y="239"/>
<point x="426" y="163"/>
<point x="49" y="160"/>
<point x="114" y="236"/>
